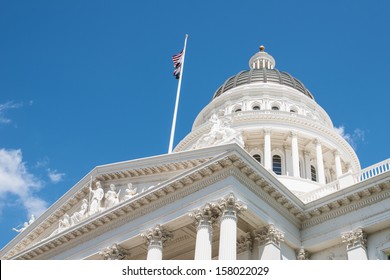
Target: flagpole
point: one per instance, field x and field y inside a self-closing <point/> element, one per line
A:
<point x="177" y="99"/>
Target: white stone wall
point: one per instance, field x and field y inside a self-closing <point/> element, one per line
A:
<point x="337" y="252"/>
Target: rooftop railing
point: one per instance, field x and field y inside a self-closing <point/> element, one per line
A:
<point x="362" y="175"/>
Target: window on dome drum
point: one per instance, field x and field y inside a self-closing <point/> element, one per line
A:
<point x="293" y="111"/>
<point x="275" y="108"/>
<point x="238" y="110"/>
<point x="277" y="164"/>
<point x="313" y="173"/>
<point x="257" y="157"/>
<point x="256" y="107"/>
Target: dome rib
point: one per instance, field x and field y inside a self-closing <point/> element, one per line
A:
<point x="263" y="75"/>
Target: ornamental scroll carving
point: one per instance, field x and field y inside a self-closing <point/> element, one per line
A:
<point x="245" y="242"/>
<point x="230" y="204"/>
<point x="157" y="236"/>
<point x="206" y="215"/>
<point x="269" y="234"/>
<point x="302" y="254"/>
<point x="355" y="238"/>
<point x="115" y="252"/>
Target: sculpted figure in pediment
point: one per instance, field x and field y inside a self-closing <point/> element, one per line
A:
<point x="95" y="205"/>
<point x="130" y="191"/>
<point x="80" y="215"/>
<point x="64" y="223"/>
<point x="111" y="197"/>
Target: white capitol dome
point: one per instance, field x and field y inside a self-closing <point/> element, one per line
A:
<point x="274" y="117"/>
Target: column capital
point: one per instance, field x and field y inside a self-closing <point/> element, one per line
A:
<point x="307" y="153"/>
<point x="269" y="234"/>
<point x="245" y="243"/>
<point x="208" y="214"/>
<point x="336" y="153"/>
<point x="230" y="204"/>
<point x="115" y="252"/>
<point x="157" y="236"/>
<point x="293" y="133"/>
<point x="317" y="141"/>
<point x="267" y="130"/>
<point x="302" y="254"/>
<point x="355" y="238"/>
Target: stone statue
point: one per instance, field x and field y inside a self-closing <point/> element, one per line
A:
<point x="81" y="214"/>
<point x="220" y="133"/>
<point x="96" y="200"/>
<point x="64" y="223"/>
<point x="32" y="219"/>
<point x="111" y="197"/>
<point x="25" y="225"/>
<point x="130" y="191"/>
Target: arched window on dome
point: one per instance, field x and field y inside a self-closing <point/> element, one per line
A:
<point x="257" y="157"/>
<point x="277" y="164"/>
<point x="256" y="107"/>
<point x="275" y="108"/>
<point x="236" y="109"/>
<point x="313" y="173"/>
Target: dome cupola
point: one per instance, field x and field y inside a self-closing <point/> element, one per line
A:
<point x="275" y="118"/>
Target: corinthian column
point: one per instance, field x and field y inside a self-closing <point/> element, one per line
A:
<point x="229" y="207"/>
<point x="155" y="239"/>
<point x="269" y="239"/>
<point x="356" y="244"/>
<point x="204" y="218"/>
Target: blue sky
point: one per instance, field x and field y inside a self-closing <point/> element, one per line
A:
<point x="86" y="83"/>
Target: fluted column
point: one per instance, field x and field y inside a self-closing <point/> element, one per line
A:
<point x="269" y="239"/>
<point x="295" y="154"/>
<point x="337" y="160"/>
<point x="267" y="149"/>
<point x="204" y="218"/>
<point x="115" y="252"/>
<point x="229" y="207"/>
<point x="356" y="244"/>
<point x="155" y="239"/>
<point x="320" y="162"/>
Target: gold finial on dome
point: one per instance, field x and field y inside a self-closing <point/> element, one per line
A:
<point x="262" y="48"/>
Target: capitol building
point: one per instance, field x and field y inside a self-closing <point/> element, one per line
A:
<point x="263" y="174"/>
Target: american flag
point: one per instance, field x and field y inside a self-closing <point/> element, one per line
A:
<point x="177" y="61"/>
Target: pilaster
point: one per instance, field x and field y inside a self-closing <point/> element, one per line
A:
<point x="356" y="244"/>
<point x="269" y="239"/>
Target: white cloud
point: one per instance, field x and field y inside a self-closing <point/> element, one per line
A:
<point x="15" y="179"/>
<point x="55" y="176"/>
<point x="5" y="107"/>
<point x="353" y="139"/>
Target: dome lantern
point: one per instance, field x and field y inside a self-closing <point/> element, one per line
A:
<point x="262" y="60"/>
